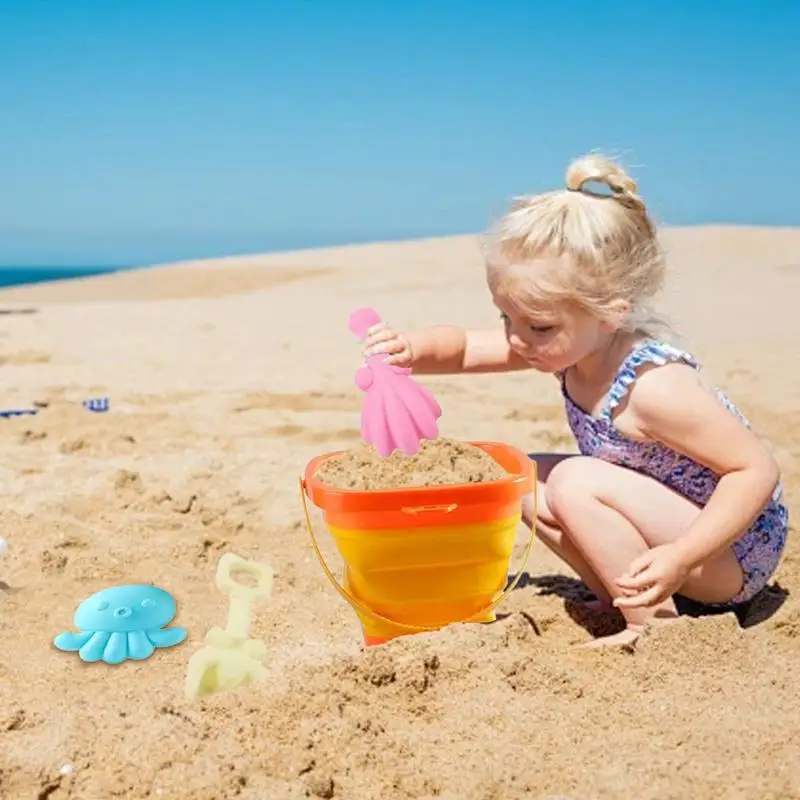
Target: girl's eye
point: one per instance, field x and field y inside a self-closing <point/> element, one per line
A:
<point x="542" y="328"/>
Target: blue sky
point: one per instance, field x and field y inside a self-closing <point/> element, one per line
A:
<point x="135" y="131"/>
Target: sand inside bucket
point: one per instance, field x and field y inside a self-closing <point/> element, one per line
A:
<point x="438" y="462"/>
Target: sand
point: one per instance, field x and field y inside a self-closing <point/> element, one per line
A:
<point x="219" y="398"/>
<point x="439" y="462"/>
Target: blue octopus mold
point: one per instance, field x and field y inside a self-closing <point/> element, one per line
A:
<point x="122" y="622"/>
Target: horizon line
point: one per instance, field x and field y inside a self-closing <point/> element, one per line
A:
<point x="341" y="246"/>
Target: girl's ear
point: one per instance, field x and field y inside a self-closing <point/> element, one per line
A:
<point x="618" y="311"/>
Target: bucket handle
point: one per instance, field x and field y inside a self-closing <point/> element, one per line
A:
<point x="368" y="612"/>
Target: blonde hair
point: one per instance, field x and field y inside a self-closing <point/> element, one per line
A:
<point x="606" y="235"/>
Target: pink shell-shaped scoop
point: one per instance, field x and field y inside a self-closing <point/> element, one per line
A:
<point x="397" y="413"/>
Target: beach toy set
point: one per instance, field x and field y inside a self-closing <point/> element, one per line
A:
<point x="131" y="622"/>
<point x="417" y="558"/>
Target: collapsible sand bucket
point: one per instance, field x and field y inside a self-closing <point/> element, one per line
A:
<point x="417" y="559"/>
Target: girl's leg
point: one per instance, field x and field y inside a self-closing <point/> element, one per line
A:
<point x="613" y="515"/>
<point x="549" y="532"/>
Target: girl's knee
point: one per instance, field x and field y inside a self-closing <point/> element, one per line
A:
<point x="572" y="481"/>
<point x="536" y="508"/>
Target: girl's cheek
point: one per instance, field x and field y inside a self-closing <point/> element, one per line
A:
<point x="555" y="347"/>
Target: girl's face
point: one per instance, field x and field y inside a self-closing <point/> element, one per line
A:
<point x="554" y="339"/>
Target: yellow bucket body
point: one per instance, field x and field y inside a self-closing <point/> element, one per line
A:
<point x="418" y="558"/>
<point x="426" y="577"/>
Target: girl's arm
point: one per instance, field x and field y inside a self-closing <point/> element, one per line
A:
<point x="448" y="350"/>
<point x="671" y="405"/>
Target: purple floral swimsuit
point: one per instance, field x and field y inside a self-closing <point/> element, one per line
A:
<point x="759" y="549"/>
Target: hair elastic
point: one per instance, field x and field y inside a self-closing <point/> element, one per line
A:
<point x="606" y="191"/>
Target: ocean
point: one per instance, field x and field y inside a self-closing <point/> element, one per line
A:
<point x="16" y="276"/>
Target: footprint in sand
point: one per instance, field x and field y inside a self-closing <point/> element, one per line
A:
<point x="24" y="357"/>
<point x="52" y="563"/>
<point x="548" y="413"/>
<point x="18" y="719"/>
<point x="126" y="482"/>
<point x="311" y="436"/>
<point x="29" y="436"/>
<point x="308" y="401"/>
<point x="116" y="445"/>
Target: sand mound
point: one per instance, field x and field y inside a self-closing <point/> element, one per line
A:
<point x="438" y="462"/>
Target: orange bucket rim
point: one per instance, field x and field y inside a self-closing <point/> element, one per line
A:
<point x="516" y="484"/>
<point x="315" y="462"/>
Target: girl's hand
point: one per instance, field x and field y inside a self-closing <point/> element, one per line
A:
<point x="382" y="339"/>
<point x="652" y="578"/>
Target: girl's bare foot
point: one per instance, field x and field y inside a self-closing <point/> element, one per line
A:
<point x="625" y="638"/>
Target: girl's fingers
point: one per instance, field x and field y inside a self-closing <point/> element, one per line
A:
<point x="639" y="564"/>
<point x="382" y="339"/>
<point x="640" y="581"/>
<point x="648" y="598"/>
<point x="398" y="359"/>
<point x="393" y="345"/>
<point x="384" y="335"/>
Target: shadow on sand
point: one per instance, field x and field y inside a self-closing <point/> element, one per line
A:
<point x="574" y="593"/>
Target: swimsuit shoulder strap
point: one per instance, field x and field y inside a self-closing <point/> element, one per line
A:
<point x="650" y="351"/>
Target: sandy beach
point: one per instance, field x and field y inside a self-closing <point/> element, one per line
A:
<point x="225" y="378"/>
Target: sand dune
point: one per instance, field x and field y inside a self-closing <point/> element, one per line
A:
<point x="225" y="378"/>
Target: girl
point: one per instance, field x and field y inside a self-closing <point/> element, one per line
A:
<point x="672" y="492"/>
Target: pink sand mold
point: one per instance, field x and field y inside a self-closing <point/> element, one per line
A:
<point x="397" y="413"/>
